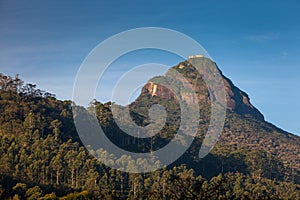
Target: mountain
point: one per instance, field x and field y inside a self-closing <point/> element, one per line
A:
<point x="42" y="156"/>
<point x="245" y="127"/>
<point x="237" y="100"/>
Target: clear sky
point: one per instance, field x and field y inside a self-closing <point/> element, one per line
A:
<point x="255" y="43"/>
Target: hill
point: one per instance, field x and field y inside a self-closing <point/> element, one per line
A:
<point x="245" y="128"/>
<point x="42" y="156"/>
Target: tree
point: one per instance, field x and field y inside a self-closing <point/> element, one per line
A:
<point x="20" y="189"/>
<point x="56" y="125"/>
<point x="91" y="183"/>
<point x="57" y="166"/>
<point x="51" y="196"/>
<point x="34" y="193"/>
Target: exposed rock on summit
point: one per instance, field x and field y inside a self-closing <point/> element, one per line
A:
<point x="237" y="100"/>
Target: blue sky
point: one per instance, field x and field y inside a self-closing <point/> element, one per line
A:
<point x="255" y="43"/>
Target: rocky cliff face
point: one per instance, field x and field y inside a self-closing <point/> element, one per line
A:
<point x="158" y="90"/>
<point x="237" y="100"/>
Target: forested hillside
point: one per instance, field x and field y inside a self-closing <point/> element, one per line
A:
<point x="247" y="139"/>
<point x="43" y="158"/>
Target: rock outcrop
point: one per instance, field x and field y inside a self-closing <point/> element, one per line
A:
<point x="237" y="100"/>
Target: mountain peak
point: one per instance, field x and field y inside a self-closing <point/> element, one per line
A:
<point x="237" y="100"/>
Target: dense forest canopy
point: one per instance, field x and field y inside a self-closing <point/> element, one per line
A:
<point x="43" y="158"/>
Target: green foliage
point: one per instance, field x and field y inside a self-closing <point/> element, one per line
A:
<point x="20" y="189"/>
<point x="41" y="154"/>
<point x="51" y="196"/>
<point x="33" y="193"/>
<point x="76" y="196"/>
